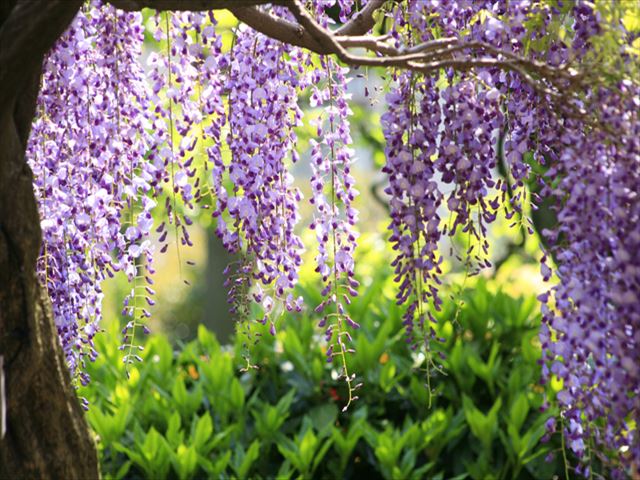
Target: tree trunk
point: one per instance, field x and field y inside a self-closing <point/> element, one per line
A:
<point x="46" y="433"/>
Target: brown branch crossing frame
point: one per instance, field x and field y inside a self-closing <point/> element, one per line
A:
<point x="428" y="57"/>
<point x="306" y="33"/>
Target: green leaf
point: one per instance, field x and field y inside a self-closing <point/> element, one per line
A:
<point x="236" y="395"/>
<point x="285" y="471"/>
<point x="202" y="432"/>
<point x="174" y="434"/>
<point x="519" y="411"/>
<point x="110" y="427"/>
<point x="216" y="468"/>
<point x="483" y="427"/>
<point x="284" y="404"/>
<point x="307" y="445"/>
<point x="179" y="392"/>
<point x="153" y="455"/>
<point x="159" y="356"/>
<point x="123" y="470"/>
<point x="407" y="462"/>
<point x="244" y="460"/>
<point x="290" y="452"/>
<point x="323" y="417"/>
<point x="388" y="377"/>
<point x="269" y="419"/>
<point x="185" y="461"/>
<point x="419" y="473"/>
<point x="435" y="426"/>
<point x="486" y="371"/>
<point x="207" y="340"/>
<point x="294" y="350"/>
<point x="457" y="361"/>
<point x="320" y="454"/>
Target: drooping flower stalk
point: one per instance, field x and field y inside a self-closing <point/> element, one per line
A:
<point x="131" y="117"/>
<point x="87" y="152"/>
<point x="334" y="220"/>
<point x="263" y="82"/>
<point x="410" y="126"/>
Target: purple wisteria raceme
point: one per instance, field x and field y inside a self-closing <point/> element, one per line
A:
<point x="87" y="152"/>
<point x="467" y="158"/>
<point x="590" y="331"/>
<point x="175" y="77"/>
<point x="411" y="126"/>
<point x="594" y="353"/>
<point x="334" y="220"/>
<point x="436" y="136"/>
<point x="411" y="137"/>
<point x="262" y="210"/>
<point x="211" y="63"/>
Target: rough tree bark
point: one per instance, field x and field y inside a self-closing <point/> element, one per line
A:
<point x="46" y="436"/>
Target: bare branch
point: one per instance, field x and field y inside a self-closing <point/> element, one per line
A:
<point x="378" y="44"/>
<point x="279" y="28"/>
<point x="321" y="35"/>
<point x="294" y="34"/>
<point x="363" y="21"/>
<point x="432" y="44"/>
<point x="189" y="5"/>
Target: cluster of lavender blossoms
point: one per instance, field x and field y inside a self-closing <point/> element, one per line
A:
<point x="444" y="131"/>
<point x="214" y="128"/>
<point x="335" y="218"/>
<point x="262" y="209"/>
<point x="436" y="137"/>
<point x="94" y="185"/>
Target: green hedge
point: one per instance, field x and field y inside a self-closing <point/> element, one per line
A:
<point x="196" y="413"/>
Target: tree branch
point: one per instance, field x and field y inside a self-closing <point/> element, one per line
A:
<point x="189" y="5"/>
<point x="334" y="45"/>
<point x="279" y="29"/>
<point x="363" y="21"/>
<point x="294" y="34"/>
<point x="436" y="54"/>
<point x="378" y="44"/>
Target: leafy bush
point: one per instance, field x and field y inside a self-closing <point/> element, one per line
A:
<point x="199" y="413"/>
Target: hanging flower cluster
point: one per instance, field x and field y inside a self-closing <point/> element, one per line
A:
<point x="93" y="182"/>
<point x="333" y="194"/>
<point x="263" y="207"/>
<point x="587" y="343"/>
<point x="335" y="218"/>
<point x="188" y="110"/>
<point x="440" y="156"/>
<point x="595" y="354"/>
<point x="411" y="129"/>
